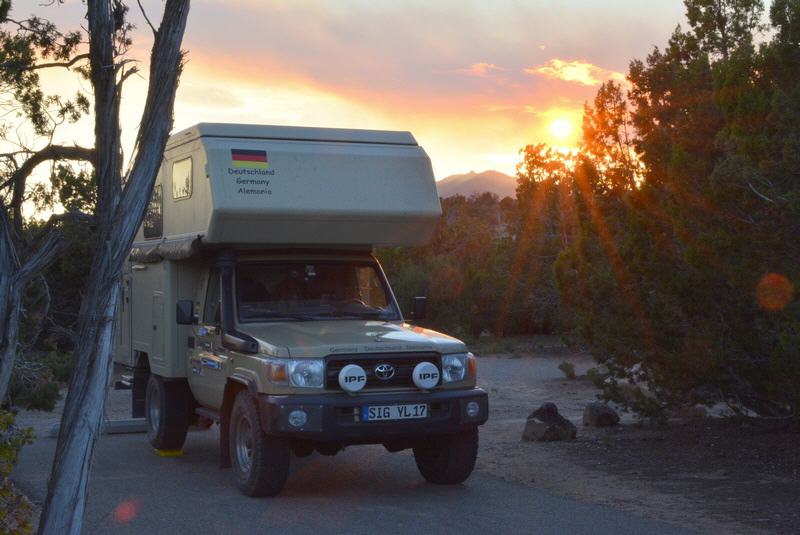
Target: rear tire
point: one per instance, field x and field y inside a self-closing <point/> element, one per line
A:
<point x="447" y="459"/>
<point x="167" y="413"/>
<point x="260" y="462"/>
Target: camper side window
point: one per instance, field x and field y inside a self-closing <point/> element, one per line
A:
<point x="153" y="223"/>
<point x="211" y="310"/>
<point x="182" y="179"/>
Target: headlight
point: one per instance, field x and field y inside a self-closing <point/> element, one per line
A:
<point x="307" y="373"/>
<point x="304" y="373"/>
<point x="454" y="367"/>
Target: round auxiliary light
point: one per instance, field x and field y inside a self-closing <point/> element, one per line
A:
<point x="473" y="409"/>
<point x="352" y="378"/>
<point x="298" y="418"/>
<point x="425" y="375"/>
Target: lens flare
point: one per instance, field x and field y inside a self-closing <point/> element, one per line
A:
<point x="774" y="292"/>
<point x="126" y="511"/>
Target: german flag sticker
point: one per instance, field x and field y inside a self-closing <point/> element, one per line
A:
<point x="249" y="159"/>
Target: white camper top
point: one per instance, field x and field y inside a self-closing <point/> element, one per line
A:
<point x="232" y="184"/>
<point x="290" y="133"/>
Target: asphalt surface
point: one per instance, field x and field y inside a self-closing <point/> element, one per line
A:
<point x="362" y="490"/>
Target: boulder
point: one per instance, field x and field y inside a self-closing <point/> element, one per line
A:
<point x="598" y="414"/>
<point x="545" y="424"/>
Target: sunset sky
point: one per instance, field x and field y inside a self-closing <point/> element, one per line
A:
<point x="473" y="81"/>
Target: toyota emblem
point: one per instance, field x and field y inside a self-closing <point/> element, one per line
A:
<point x="384" y="372"/>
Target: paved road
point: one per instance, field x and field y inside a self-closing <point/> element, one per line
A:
<point x="363" y="490"/>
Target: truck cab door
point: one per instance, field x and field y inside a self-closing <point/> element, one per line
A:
<point x="208" y="362"/>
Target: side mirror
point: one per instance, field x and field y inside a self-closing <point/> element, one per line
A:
<point x="420" y="308"/>
<point x="234" y="343"/>
<point x="184" y="312"/>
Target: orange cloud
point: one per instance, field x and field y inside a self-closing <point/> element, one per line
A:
<point x="580" y="72"/>
<point x="481" y="69"/>
<point x="476" y="127"/>
<point x="450" y="72"/>
<point x="402" y="99"/>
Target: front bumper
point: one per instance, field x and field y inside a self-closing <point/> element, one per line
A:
<point x="337" y="417"/>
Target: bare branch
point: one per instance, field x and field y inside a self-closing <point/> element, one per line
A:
<point x="141" y="8"/>
<point x="125" y="75"/>
<point x="66" y="64"/>
<point x="165" y="66"/>
<point x="74" y="217"/>
<point x="49" y="250"/>
<point x="42" y="313"/>
<point x="50" y="152"/>
<point x="103" y="73"/>
<point x="764" y="197"/>
<point x="19" y="177"/>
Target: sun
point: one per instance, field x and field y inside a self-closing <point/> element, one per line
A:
<point x="561" y="129"/>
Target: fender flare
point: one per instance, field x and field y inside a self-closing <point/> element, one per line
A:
<point x="233" y="386"/>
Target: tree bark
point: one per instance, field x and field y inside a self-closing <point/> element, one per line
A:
<point x="119" y="214"/>
<point x="14" y="277"/>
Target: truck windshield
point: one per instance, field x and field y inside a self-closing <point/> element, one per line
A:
<point x="279" y="291"/>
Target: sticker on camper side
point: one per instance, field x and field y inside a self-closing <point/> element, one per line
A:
<point x="210" y="363"/>
<point x="251" y="167"/>
<point x="249" y="159"/>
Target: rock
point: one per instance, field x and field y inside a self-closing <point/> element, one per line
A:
<point x="534" y="431"/>
<point x="545" y="424"/>
<point x="598" y="414"/>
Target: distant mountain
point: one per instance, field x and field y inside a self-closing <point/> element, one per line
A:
<point x="468" y="183"/>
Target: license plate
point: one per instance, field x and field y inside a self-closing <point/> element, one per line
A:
<point x="394" y="412"/>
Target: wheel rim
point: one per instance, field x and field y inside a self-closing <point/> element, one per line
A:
<point x="153" y="410"/>
<point x="244" y="443"/>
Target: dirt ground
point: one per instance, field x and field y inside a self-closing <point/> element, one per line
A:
<point x="715" y="475"/>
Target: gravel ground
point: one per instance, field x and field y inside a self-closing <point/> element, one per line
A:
<point x="715" y="475"/>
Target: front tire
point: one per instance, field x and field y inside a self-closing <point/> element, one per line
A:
<point x="447" y="459"/>
<point x="260" y="462"/>
<point x="166" y="413"/>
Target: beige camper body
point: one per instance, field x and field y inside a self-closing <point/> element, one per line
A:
<point x="321" y="187"/>
<point x="251" y="298"/>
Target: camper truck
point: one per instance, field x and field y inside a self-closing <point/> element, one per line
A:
<point x="252" y="299"/>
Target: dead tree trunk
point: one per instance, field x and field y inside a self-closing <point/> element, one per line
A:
<point x="119" y="214"/>
<point x="14" y="277"/>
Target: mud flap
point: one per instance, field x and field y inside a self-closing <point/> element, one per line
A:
<point x="224" y="428"/>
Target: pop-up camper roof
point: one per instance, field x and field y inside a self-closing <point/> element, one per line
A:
<point x="229" y="184"/>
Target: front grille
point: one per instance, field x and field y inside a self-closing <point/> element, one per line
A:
<point x="403" y="363"/>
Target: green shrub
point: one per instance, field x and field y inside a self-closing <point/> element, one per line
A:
<point x="60" y="365"/>
<point x="681" y="267"/>
<point x="12" y="438"/>
<point x="568" y="369"/>
<point x="42" y="397"/>
<point x="16" y="512"/>
<point x="38" y="378"/>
